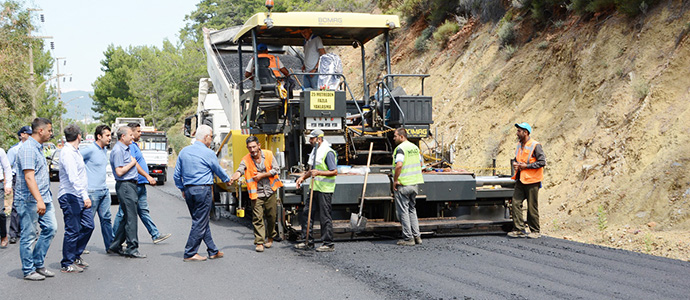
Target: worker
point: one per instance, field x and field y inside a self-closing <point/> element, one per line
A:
<point x="407" y="177"/>
<point x="260" y="169"/>
<point x="193" y="175"/>
<point x="313" y="49"/>
<point x="529" y="172"/>
<point x="324" y="163"/>
<point x="275" y="65"/>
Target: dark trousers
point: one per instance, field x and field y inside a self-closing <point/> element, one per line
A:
<point x="323" y="205"/>
<point x="78" y="227"/>
<point x="199" y="202"/>
<point x="531" y="193"/>
<point x="127" y="193"/>
<point x="15" y="228"/>
<point x="3" y="216"/>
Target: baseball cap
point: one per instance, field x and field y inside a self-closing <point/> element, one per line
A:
<point x="316" y="133"/>
<point x="261" y="47"/>
<point x="24" y="129"/>
<point x="524" y="126"/>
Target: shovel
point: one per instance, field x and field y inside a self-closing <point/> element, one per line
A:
<point x="358" y="222"/>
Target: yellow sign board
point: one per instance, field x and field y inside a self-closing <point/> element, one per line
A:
<point x="322" y="100"/>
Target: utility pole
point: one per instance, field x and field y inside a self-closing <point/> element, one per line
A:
<point x="34" y="105"/>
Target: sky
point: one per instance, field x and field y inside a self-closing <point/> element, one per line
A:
<point x="83" y="29"/>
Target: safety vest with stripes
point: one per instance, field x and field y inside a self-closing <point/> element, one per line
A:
<point x="251" y="171"/>
<point x="325" y="184"/>
<point x="524" y="155"/>
<point x="273" y="65"/>
<point x="411" y="172"/>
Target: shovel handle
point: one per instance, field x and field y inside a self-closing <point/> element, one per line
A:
<point x="366" y="177"/>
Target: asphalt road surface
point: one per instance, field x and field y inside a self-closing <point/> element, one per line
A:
<point x="463" y="267"/>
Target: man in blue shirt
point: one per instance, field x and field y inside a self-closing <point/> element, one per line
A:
<point x="143" y="179"/>
<point x="23" y="135"/>
<point x="35" y="202"/>
<point x="96" y="160"/>
<point x="125" y="172"/>
<point x="75" y="203"/>
<point x="194" y="172"/>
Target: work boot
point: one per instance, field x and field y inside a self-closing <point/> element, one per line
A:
<point x="325" y="248"/>
<point x="534" y="235"/>
<point x="517" y="234"/>
<point x="418" y="240"/>
<point x="260" y="248"/>
<point x="304" y="246"/>
<point x="409" y="242"/>
<point x="269" y="243"/>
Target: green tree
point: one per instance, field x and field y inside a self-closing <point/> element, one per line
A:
<point x="111" y="96"/>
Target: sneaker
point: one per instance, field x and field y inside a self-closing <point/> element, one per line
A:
<point x="85" y="252"/>
<point x="534" y="235"/>
<point x="71" y="269"/>
<point x="260" y="248"/>
<point x="418" y="240"/>
<point x="81" y="263"/>
<point x="325" y="248"/>
<point x="303" y="246"/>
<point x="517" y="234"/>
<point x="409" y="242"/>
<point x="216" y="256"/>
<point x="34" y="276"/>
<point x="13" y="240"/>
<point x="3" y="242"/>
<point x="269" y="243"/>
<point x="161" y="238"/>
<point x="45" y="272"/>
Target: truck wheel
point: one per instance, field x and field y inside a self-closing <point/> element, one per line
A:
<point x="160" y="180"/>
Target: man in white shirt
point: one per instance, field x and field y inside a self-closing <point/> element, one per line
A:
<point x="75" y="203"/>
<point x="313" y="49"/>
<point x="6" y="181"/>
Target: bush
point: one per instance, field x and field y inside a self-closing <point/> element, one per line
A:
<point x="445" y="31"/>
<point x="509" y="51"/>
<point x="543" y="45"/>
<point x="420" y="44"/>
<point x="506" y="33"/>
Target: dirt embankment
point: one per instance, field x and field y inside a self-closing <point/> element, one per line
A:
<point x="609" y="98"/>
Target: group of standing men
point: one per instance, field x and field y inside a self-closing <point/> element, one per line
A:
<point x="83" y="193"/>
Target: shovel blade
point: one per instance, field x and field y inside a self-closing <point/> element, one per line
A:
<point x="357" y="222"/>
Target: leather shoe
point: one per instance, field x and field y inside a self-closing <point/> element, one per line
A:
<point x="117" y="252"/>
<point x="136" y="254"/>
<point x="217" y="255"/>
<point x="196" y="257"/>
<point x="4" y="242"/>
<point x="260" y="248"/>
<point x="269" y="243"/>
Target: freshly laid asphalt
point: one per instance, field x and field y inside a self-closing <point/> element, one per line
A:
<point x="462" y="267"/>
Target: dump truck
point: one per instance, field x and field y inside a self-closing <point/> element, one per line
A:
<point x="449" y="201"/>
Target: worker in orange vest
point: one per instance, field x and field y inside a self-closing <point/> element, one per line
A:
<point x="529" y="172"/>
<point x="275" y="65"/>
<point x="260" y="169"/>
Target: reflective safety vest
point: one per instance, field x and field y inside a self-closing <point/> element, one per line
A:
<point x="251" y="171"/>
<point x="411" y="172"/>
<point x="524" y="155"/>
<point x="273" y="64"/>
<point x="325" y="184"/>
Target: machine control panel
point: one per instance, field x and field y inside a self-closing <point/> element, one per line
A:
<point x="324" y="123"/>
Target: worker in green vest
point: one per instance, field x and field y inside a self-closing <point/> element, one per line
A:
<point x="407" y="161"/>
<point x="323" y="172"/>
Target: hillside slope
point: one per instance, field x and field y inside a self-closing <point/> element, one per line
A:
<point x="609" y="98"/>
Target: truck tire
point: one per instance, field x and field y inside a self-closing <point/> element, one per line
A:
<point x="160" y="180"/>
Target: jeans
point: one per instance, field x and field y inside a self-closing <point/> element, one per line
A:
<point x="310" y="82"/>
<point x="199" y="202"/>
<point x="15" y="228"/>
<point x="78" y="227"/>
<point x="264" y="207"/>
<point x="33" y="259"/>
<point x="323" y="203"/>
<point x="405" y="201"/>
<point x="100" y="203"/>
<point x="143" y="210"/>
<point x="531" y="193"/>
<point x="127" y="193"/>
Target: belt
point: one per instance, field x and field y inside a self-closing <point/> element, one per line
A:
<point x="131" y="180"/>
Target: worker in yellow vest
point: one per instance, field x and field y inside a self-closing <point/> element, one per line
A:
<point x="323" y="172"/>
<point x="260" y="169"/>
<point x="407" y="161"/>
<point x="529" y="172"/>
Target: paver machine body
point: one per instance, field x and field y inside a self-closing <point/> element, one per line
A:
<point x="448" y="202"/>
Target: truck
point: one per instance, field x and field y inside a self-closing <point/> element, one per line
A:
<point x="449" y="201"/>
<point x="153" y="145"/>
